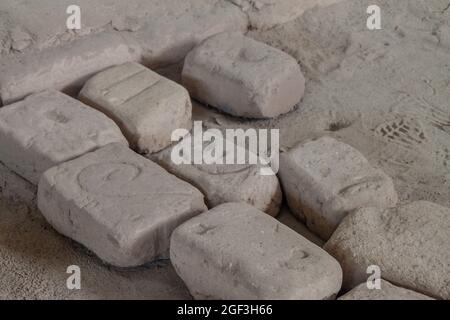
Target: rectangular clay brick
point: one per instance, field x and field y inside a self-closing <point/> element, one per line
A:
<point x="243" y="77"/>
<point x="235" y="251"/>
<point x="48" y="128"/>
<point x="66" y="67"/>
<point x="118" y="204"/>
<point x="146" y="106"/>
<point x="325" y="179"/>
<point x="222" y="183"/>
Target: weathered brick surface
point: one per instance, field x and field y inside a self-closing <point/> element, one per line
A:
<point x="65" y="67"/>
<point x="49" y="128"/>
<point x="146" y="106"/>
<point x="235" y="251"/>
<point x="167" y="38"/>
<point x="243" y="77"/>
<point x="124" y="207"/>
<point x="222" y="183"/>
<point x="387" y="292"/>
<point x="409" y="244"/>
<point x="118" y="204"/>
<point x="326" y="179"/>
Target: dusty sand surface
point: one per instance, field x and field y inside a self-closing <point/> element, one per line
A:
<point x="384" y="92"/>
<point x="34" y="259"/>
<point x="43" y="23"/>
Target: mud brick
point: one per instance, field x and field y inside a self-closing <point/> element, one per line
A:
<point x="66" y="67"/>
<point x="235" y="251"/>
<point x="48" y="128"/>
<point x="326" y="179"/>
<point x="243" y="77"/>
<point x="118" y="204"/>
<point x="146" y="106"/>
<point x="222" y="183"/>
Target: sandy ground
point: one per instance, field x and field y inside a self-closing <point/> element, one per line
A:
<point x="44" y="21"/>
<point x="384" y="92"/>
<point x="34" y="259"/>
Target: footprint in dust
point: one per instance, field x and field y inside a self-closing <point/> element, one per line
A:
<point x="420" y="108"/>
<point x="444" y="156"/>
<point x="404" y="131"/>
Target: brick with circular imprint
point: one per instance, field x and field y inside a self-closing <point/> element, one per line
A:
<point x="222" y="183"/>
<point x="118" y="204"/>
